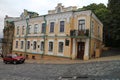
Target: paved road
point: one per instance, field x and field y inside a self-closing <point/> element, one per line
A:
<point x="88" y="71"/>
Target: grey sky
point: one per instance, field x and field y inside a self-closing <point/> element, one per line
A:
<point x="14" y="8"/>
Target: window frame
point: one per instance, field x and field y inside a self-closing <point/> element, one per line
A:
<point x="18" y="30"/>
<point x="28" y="44"/>
<point x="36" y="28"/>
<point x="81" y="24"/>
<point x="42" y="46"/>
<point x="52" y="26"/>
<point x="23" y="29"/>
<point x="92" y="26"/>
<point x="60" y="51"/>
<point x="51" y="46"/>
<point x="34" y="45"/>
<point x="22" y="44"/>
<point x="98" y="31"/>
<point x="62" y="26"/>
<point x="43" y="28"/>
<point x="58" y="9"/>
<point x="29" y="29"/>
<point x="16" y="45"/>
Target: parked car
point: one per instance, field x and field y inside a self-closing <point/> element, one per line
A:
<point x="13" y="58"/>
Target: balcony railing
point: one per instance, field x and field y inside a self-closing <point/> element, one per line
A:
<point x="77" y="33"/>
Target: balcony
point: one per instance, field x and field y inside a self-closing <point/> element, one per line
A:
<point x="79" y="33"/>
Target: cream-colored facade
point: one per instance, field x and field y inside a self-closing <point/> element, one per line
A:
<point x="63" y="32"/>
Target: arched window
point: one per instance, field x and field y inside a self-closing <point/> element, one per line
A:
<point x="23" y="29"/>
<point x="29" y="27"/>
<point x="17" y="30"/>
<point x="34" y="45"/>
<point x="58" y="10"/>
<point x="36" y="29"/>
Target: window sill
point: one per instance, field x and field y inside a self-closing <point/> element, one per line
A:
<point x="60" y="54"/>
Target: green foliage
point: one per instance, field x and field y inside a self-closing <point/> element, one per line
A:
<point x="114" y="28"/>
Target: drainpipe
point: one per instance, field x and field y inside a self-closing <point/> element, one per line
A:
<point x="27" y="19"/>
<point x="44" y="37"/>
<point x="90" y="36"/>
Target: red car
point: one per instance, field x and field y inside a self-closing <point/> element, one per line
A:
<point x="13" y="58"/>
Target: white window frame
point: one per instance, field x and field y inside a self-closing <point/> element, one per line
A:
<point x="29" y="29"/>
<point x="29" y="45"/>
<point x="18" y="29"/>
<point x="36" y="45"/>
<point x="64" y="26"/>
<point x="41" y="27"/>
<point x="51" y="52"/>
<point x="61" y="53"/>
<point x="98" y="31"/>
<point x="50" y="27"/>
<point x="16" y="44"/>
<point x="80" y="26"/>
<point x="23" y="30"/>
<point x="40" y="46"/>
<point x="21" y="45"/>
<point x="36" y="28"/>
<point x="92" y="26"/>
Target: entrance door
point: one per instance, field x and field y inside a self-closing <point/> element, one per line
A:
<point x="80" y="50"/>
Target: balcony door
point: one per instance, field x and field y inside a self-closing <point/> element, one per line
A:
<point x="80" y="50"/>
<point x="81" y="25"/>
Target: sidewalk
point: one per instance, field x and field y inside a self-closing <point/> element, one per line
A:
<point x="69" y="61"/>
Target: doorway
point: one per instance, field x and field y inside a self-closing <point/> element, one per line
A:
<point x="80" y="50"/>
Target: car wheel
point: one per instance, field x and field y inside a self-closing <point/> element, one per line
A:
<point x="14" y="62"/>
<point x="5" y="62"/>
<point x="22" y="62"/>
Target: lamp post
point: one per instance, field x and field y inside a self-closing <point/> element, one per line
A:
<point x="27" y="19"/>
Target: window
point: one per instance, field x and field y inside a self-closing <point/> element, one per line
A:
<point x="29" y="28"/>
<point x="51" y="46"/>
<point x="98" y="30"/>
<point x="16" y="44"/>
<point x="22" y="44"/>
<point x="28" y="44"/>
<point x="92" y="27"/>
<point x="36" y="28"/>
<point x="61" y="46"/>
<point x="51" y="27"/>
<point x="43" y="28"/>
<point x="23" y="30"/>
<point x="34" y="45"/>
<point x="61" y="26"/>
<point x="42" y="46"/>
<point x="81" y="25"/>
<point x="17" y="30"/>
<point x="58" y="10"/>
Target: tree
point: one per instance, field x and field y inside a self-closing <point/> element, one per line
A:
<point x="114" y="29"/>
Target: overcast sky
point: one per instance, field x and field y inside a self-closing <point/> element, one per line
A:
<point x="14" y="8"/>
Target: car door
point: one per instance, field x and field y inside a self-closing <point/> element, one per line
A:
<point x="9" y="58"/>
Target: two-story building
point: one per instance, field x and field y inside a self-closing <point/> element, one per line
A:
<point x="63" y="32"/>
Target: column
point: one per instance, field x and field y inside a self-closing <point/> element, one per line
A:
<point x="86" y="53"/>
<point x="74" y="49"/>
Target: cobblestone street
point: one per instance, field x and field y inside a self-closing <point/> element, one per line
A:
<point x="34" y="71"/>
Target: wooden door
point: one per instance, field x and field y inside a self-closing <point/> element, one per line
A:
<point x="80" y="50"/>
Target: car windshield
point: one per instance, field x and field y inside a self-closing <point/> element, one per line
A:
<point x="14" y="55"/>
